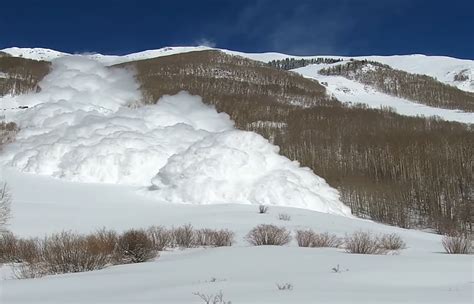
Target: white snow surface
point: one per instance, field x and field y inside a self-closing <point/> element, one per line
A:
<point x="42" y="205"/>
<point x="84" y="126"/>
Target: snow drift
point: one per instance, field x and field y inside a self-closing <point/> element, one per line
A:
<point x="84" y="125"/>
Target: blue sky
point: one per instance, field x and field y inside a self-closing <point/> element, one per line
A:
<point x="339" y="27"/>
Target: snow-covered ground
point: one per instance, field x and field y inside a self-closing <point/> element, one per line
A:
<point x="422" y="273"/>
<point x="350" y="91"/>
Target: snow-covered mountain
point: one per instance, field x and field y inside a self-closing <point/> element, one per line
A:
<point x="452" y="71"/>
<point x="443" y="68"/>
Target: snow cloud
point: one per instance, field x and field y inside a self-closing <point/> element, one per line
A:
<point x="85" y="126"/>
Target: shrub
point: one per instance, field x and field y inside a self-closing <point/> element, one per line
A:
<point x="211" y="298"/>
<point x="135" y="246"/>
<point x="308" y="238"/>
<point x="184" y="236"/>
<point x="268" y="235"/>
<point x="102" y="242"/>
<point x="262" y="209"/>
<point x="305" y="237"/>
<point x="7" y="247"/>
<point x="457" y="244"/>
<point x="284" y="217"/>
<point x="363" y="243"/>
<point x="223" y="238"/>
<point x="216" y="238"/>
<point x="392" y="242"/>
<point x="161" y="237"/>
<point x="284" y="286"/>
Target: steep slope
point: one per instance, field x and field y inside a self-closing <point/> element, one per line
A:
<point x="85" y="126"/>
<point x="19" y="75"/>
<point x="418" y="88"/>
<point x="219" y="77"/>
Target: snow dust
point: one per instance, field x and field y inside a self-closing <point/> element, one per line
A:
<point x="85" y="125"/>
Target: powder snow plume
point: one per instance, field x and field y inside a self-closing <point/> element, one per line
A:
<point x="85" y="126"/>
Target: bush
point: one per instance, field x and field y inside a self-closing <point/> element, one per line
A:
<point x="102" y="242"/>
<point x="268" y="235"/>
<point x="184" y="236"/>
<point x="392" y="242"/>
<point x="161" y="237"/>
<point x="284" y="217"/>
<point x="308" y="238"/>
<point x="7" y="247"/>
<point x="364" y="243"/>
<point x="216" y="238"/>
<point x="262" y="209"/>
<point x="135" y="246"/>
<point x="457" y="244"/>
<point x="69" y="252"/>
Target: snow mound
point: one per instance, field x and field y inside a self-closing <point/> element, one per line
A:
<point x="84" y="126"/>
<point x="243" y="167"/>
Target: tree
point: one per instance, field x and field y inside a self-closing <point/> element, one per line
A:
<point x="5" y="201"/>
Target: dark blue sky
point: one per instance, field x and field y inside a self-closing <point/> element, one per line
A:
<point x="339" y="27"/>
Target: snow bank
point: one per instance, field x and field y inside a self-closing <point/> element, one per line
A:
<point x="84" y="126"/>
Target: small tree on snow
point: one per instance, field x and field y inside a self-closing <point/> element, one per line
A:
<point x="5" y="201"/>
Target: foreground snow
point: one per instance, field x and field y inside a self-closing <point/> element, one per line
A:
<point x="419" y="274"/>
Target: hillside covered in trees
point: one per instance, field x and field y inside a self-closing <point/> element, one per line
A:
<point x="20" y="75"/>
<point x="410" y="172"/>
<point x="418" y="88"/>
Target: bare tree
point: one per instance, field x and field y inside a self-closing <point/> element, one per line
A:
<point x="5" y="202"/>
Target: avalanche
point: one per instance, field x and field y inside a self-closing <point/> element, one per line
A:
<point x="85" y="126"/>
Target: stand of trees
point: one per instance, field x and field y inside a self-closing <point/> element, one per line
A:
<point x="293" y="63"/>
<point x="419" y="88"/>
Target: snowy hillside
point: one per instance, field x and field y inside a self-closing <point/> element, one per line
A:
<point x="452" y="71"/>
<point x="84" y="126"/>
<point x="245" y="274"/>
<point x="351" y="91"/>
<point x="442" y="68"/>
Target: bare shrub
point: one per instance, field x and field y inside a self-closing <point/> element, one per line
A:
<point x="7" y="247"/>
<point x="326" y="240"/>
<point x="392" y="242"/>
<point x="161" y="237"/>
<point x="102" y="242"/>
<point x="5" y="202"/>
<point x="135" y="246"/>
<point x="211" y="298"/>
<point x="309" y="238"/>
<point x="215" y="238"/>
<point x="268" y="235"/>
<point x="284" y="217"/>
<point x="363" y="243"/>
<point x="284" y="286"/>
<point x="69" y="252"/>
<point x="223" y="238"/>
<point x="184" y="236"/>
<point x="457" y="244"/>
<point x="262" y="209"/>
